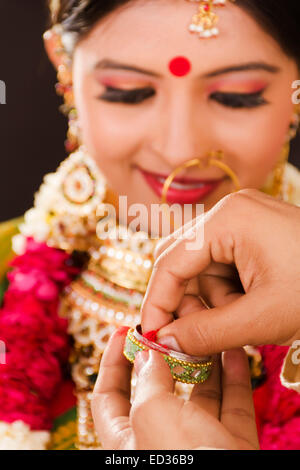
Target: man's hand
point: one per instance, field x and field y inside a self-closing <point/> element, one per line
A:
<point x="219" y="414"/>
<point x="258" y="237"/>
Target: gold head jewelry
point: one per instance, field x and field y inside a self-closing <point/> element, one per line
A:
<point x="214" y="159"/>
<point x="204" y="22"/>
<point x="54" y="6"/>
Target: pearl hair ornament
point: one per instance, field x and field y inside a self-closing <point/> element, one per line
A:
<point x="204" y="22"/>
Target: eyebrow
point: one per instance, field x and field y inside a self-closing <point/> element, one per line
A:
<point x="111" y="64"/>
<point x="242" y="68"/>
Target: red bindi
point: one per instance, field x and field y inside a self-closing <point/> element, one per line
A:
<point x="180" y="66"/>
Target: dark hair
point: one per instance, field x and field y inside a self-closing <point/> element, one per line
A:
<point x="277" y="17"/>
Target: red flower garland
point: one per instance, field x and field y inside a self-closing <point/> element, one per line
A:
<point x="36" y="339"/>
<point x="38" y="346"/>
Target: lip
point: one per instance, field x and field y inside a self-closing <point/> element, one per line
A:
<point x="181" y="196"/>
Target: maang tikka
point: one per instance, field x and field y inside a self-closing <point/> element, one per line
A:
<point x="204" y="22"/>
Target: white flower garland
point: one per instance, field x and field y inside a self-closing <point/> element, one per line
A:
<point x="18" y="436"/>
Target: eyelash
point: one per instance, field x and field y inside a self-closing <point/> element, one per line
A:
<point x="239" y="100"/>
<point x="230" y="100"/>
<point x="115" y="95"/>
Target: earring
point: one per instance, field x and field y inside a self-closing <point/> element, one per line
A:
<point x="277" y="188"/>
<point x="64" y="88"/>
<point x="278" y="173"/>
<point x="295" y="123"/>
<point x="66" y="207"/>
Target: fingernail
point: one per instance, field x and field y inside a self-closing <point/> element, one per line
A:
<point x="140" y="361"/>
<point x="170" y="342"/>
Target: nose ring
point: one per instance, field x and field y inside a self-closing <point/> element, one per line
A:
<point x="214" y="159"/>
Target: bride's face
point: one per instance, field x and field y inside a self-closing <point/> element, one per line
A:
<point x="136" y="116"/>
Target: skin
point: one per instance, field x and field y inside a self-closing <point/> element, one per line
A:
<point x="238" y="232"/>
<point x="219" y="413"/>
<point x="182" y="122"/>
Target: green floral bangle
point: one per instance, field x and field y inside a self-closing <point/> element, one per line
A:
<point x="184" y="368"/>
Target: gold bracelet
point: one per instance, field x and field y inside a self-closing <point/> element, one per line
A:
<point x="184" y="368"/>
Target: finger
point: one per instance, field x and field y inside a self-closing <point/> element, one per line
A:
<point x="248" y="319"/>
<point x="208" y="395"/>
<point x="154" y="378"/>
<point x="189" y="305"/>
<point x="170" y="277"/>
<point x="218" y="291"/>
<point x="210" y="289"/>
<point x="163" y="244"/>
<point x="183" y="260"/>
<point x="192" y="287"/>
<point x="111" y="395"/>
<point x="228" y="240"/>
<point x="237" y="411"/>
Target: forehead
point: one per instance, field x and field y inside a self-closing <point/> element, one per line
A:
<point x="152" y="33"/>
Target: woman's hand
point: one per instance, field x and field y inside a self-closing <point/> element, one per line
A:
<point x="259" y="237"/>
<point x="216" y="416"/>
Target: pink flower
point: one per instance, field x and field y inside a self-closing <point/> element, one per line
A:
<point x="285" y="437"/>
<point x="36" y="338"/>
<point x="278" y="409"/>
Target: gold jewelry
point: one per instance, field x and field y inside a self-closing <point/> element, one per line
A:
<point x="278" y="173"/>
<point x="67" y="203"/>
<point x="204" y="22"/>
<point x="54" y="6"/>
<point x="214" y="159"/>
<point x="185" y="369"/>
<point x="128" y="264"/>
<point x="277" y="188"/>
<point x="295" y="123"/>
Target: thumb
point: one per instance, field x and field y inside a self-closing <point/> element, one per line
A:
<point x="154" y="377"/>
<point x="248" y="320"/>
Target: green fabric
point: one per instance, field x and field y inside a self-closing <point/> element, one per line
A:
<point x="64" y="432"/>
<point x="3" y="287"/>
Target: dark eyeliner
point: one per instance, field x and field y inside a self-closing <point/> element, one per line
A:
<point x="239" y="100"/>
<point x="136" y="96"/>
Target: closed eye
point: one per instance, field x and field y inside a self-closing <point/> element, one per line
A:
<point x="136" y="96"/>
<point x="239" y="100"/>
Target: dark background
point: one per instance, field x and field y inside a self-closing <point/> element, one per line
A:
<point x="32" y="130"/>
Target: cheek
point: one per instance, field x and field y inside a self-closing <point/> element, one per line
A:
<point x="256" y="144"/>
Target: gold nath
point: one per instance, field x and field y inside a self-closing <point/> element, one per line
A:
<point x="215" y="159"/>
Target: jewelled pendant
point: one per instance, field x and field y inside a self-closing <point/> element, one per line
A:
<point x="204" y="22"/>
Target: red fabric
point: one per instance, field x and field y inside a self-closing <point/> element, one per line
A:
<point x="64" y="400"/>
<point x="277" y="408"/>
<point x="151" y="336"/>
